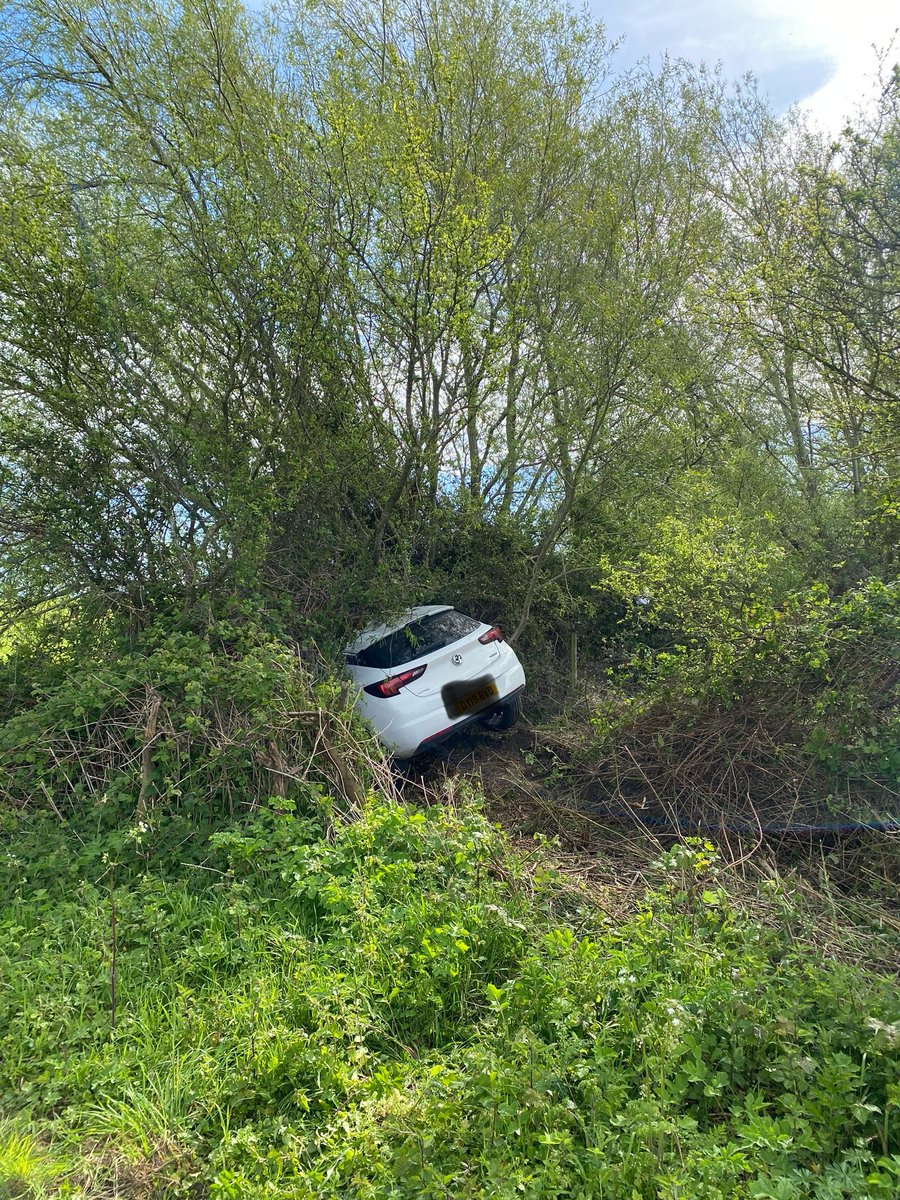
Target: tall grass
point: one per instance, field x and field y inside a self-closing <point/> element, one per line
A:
<point x="28" y="1169"/>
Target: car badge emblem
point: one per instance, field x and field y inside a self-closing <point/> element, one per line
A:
<point x="456" y="660"/>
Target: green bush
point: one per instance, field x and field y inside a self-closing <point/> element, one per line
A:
<point x="759" y="693"/>
<point x="216" y="719"/>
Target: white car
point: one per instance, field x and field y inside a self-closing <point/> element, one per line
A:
<point x="432" y="671"/>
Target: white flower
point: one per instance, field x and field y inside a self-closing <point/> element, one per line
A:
<point x="891" y="1033"/>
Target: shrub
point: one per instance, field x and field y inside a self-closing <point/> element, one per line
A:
<point x="219" y="719"/>
<point x="798" y="706"/>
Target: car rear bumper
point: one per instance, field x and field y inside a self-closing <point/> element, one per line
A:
<point x="442" y="735"/>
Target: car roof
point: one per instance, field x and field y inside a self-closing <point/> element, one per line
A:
<point x="375" y="632"/>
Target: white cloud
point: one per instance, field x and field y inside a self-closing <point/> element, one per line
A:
<point x="846" y="33"/>
<point x="817" y="53"/>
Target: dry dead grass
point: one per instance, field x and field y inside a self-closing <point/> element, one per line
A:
<point x="842" y="892"/>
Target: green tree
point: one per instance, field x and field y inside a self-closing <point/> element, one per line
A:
<point x="174" y="365"/>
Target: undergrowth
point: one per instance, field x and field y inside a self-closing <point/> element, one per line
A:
<point x="287" y="1005"/>
<point x="235" y="965"/>
<point x="207" y="719"/>
<point x="781" y="715"/>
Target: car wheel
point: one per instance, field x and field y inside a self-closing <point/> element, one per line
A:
<point x="505" y="715"/>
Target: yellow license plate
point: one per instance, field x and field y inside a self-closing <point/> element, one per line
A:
<point x="475" y="700"/>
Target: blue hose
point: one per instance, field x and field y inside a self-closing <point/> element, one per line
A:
<point x="683" y="823"/>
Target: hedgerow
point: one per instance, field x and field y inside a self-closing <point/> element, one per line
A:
<point x="214" y="718"/>
<point x="729" y="702"/>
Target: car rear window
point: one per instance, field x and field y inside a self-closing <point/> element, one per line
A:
<point x="415" y="640"/>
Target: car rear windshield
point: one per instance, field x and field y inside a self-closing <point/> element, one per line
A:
<point x="415" y="640"/>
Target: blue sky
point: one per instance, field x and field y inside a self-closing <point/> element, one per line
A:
<point x="817" y="54"/>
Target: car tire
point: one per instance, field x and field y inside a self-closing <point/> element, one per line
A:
<point x="505" y="715"/>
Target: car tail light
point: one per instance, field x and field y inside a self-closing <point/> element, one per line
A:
<point x="495" y="634"/>
<point x="390" y="687"/>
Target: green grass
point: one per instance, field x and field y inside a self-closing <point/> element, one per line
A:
<point x="393" y="1008"/>
<point x="27" y="1168"/>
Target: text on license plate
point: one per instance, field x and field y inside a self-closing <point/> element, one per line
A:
<point x="475" y="700"/>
